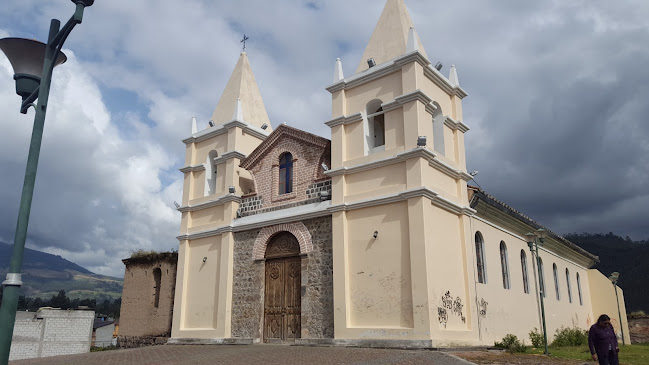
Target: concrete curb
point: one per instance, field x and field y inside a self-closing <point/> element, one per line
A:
<point x="459" y="358"/>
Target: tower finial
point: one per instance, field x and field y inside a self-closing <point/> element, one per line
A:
<point x="194" y="126"/>
<point x="238" y="112"/>
<point x="338" y="71"/>
<point x="412" y="45"/>
<point x="452" y="77"/>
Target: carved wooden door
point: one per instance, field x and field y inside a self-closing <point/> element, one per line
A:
<point x="282" y="307"/>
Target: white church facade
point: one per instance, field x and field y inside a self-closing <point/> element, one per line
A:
<point x="371" y="237"/>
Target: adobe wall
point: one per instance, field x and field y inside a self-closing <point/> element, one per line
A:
<point x="140" y="320"/>
<point x="317" y="284"/>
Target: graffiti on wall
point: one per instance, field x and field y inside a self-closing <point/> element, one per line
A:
<point x="449" y="305"/>
<point x="482" y="305"/>
<point x="442" y="315"/>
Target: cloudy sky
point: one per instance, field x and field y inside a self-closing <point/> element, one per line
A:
<point x="558" y="106"/>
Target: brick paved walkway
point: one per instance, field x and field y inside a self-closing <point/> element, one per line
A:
<point x="242" y="354"/>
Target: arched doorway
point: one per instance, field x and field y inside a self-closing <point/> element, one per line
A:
<point x="282" y="303"/>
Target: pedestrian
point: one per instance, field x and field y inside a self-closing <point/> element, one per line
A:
<point x="602" y="342"/>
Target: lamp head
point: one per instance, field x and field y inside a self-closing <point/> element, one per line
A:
<point x="27" y="57"/>
<point x="530" y="238"/>
<point x="541" y="233"/>
<point x="85" y="3"/>
<point x="614" y="276"/>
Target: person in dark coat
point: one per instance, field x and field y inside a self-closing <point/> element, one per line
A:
<point x="602" y="342"/>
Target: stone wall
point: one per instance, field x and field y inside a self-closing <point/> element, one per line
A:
<point x="317" y="284"/>
<point x="639" y="329"/>
<point x="139" y="315"/>
<point x="51" y="332"/>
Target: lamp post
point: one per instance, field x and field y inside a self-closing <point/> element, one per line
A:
<point x="33" y="63"/>
<point x="613" y="278"/>
<point x="534" y="240"/>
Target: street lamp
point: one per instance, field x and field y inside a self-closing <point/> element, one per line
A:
<point x="33" y="63"/>
<point x="534" y="240"/>
<point x="613" y="278"/>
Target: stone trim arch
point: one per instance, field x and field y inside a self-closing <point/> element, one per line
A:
<point x="297" y="229"/>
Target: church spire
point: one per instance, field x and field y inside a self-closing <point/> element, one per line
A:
<point x="241" y="98"/>
<point x="390" y="36"/>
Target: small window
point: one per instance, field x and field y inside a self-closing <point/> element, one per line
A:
<point x="375" y="127"/>
<point x="157" y="276"/>
<point x="526" y="285"/>
<point x="568" y="286"/>
<point x="210" y="173"/>
<point x="438" y="130"/>
<point x="504" y="264"/>
<point x="555" y="272"/>
<point x="286" y="173"/>
<point x="479" y="254"/>
<point x="581" y="302"/>
<point x="541" y="278"/>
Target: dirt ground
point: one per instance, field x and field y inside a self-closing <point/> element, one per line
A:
<point x="484" y="357"/>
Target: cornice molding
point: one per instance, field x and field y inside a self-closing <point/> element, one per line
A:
<point x="211" y="203"/>
<point x="345" y="119"/>
<point x="318" y="210"/>
<point x="192" y="168"/>
<point x="440" y="80"/>
<point x="228" y="156"/>
<point x="421" y="152"/>
<point x="395" y="65"/>
<point x="221" y="129"/>
<point x="433" y="196"/>
<point x="456" y="125"/>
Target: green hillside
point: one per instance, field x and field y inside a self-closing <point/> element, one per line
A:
<point x="629" y="258"/>
<point x="44" y="275"/>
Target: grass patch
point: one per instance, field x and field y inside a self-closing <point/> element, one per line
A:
<point x="629" y="355"/>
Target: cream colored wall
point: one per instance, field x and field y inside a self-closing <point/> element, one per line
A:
<point x="445" y="272"/>
<point x="512" y="310"/>
<point x="385" y="89"/>
<point x="379" y="269"/>
<point x="213" y="216"/>
<point x="379" y="181"/>
<point x="604" y="302"/>
<point x="202" y="283"/>
<point x="218" y="143"/>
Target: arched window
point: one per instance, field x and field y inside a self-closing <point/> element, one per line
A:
<point x="438" y="130"/>
<point x="286" y="173"/>
<point x="210" y="173"/>
<point x="157" y="278"/>
<point x="555" y="272"/>
<point x="581" y="302"/>
<point x="479" y="256"/>
<point x="541" y="278"/>
<point x="526" y="285"/>
<point x="375" y="131"/>
<point x="504" y="264"/>
<point x="568" y="286"/>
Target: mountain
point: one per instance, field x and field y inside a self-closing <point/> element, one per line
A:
<point x="625" y="256"/>
<point x="44" y="275"/>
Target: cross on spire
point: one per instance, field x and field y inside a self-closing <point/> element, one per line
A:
<point x="244" y="42"/>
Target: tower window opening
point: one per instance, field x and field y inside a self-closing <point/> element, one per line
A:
<point x="286" y="173"/>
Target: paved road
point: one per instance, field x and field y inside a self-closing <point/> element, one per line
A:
<point x="253" y="354"/>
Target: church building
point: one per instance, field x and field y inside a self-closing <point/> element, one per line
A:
<point x="371" y="237"/>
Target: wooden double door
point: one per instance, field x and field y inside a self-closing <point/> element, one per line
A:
<point x="282" y="299"/>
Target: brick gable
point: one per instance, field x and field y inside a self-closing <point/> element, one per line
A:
<point x="309" y="152"/>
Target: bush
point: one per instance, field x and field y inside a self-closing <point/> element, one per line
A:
<point x="510" y="343"/>
<point x="536" y="338"/>
<point x="637" y="314"/>
<point x="570" y="337"/>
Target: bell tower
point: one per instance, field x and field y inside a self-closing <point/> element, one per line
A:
<point x="399" y="187"/>
<point x="213" y="185"/>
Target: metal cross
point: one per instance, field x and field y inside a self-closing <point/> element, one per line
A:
<point x="244" y="42"/>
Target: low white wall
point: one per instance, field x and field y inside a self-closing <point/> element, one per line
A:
<point x="51" y="332"/>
